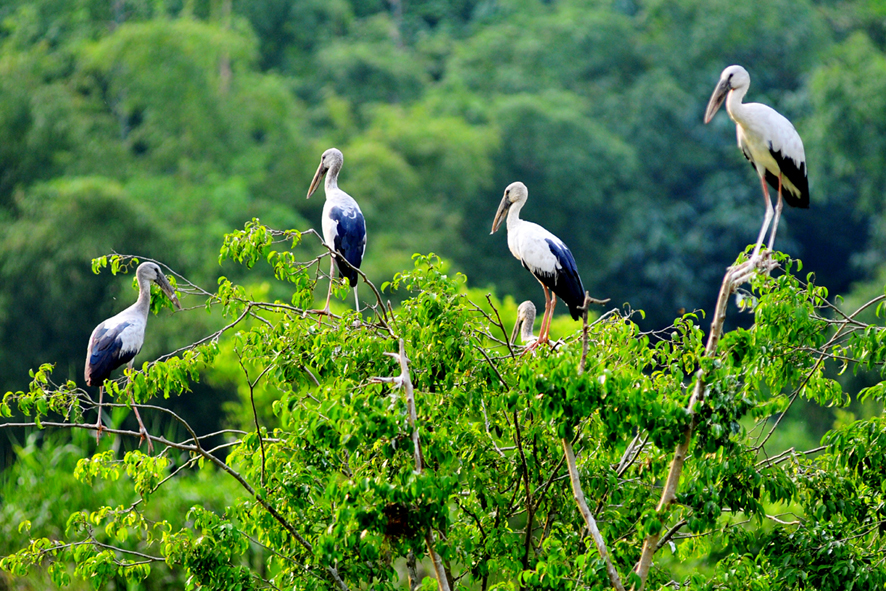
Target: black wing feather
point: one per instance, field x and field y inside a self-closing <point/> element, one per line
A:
<point x="795" y="174"/>
<point x="106" y="355"/>
<point x="350" y="240"/>
<point x="564" y="282"/>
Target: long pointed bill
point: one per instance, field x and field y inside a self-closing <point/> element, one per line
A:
<point x="167" y="288"/>
<point x="315" y="182"/>
<point x="517" y="329"/>
<point x="501" y="213"/>
<point x="717" y="99"/>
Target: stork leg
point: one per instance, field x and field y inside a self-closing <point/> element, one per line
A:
<point x="550" y="317"/>
<point x="544" y="320"/>
<point x="143" y="432"/>
<point x="98" y="423"/>
<point x="766" y="220"/>
<point x="778" y="207"/>
<point x="325" y="310"/>
<point x="356" y="299"/>
<point x="331" y="281"/>
<point x="141" y="426"/>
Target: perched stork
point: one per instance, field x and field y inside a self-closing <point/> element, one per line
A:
<point x="544" y="255"/>
<point x="344" y="228"/>
<point x="768" y="141"/>
<point x="118" y="339"/>
<point x="523" y="326"/>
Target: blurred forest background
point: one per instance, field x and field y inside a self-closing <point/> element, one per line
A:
<point x="152" y="127"/>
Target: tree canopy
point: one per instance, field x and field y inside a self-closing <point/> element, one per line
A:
<point x="154" y="128"/>
<point x="461" y="463"/>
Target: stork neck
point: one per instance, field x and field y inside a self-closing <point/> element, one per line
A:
<point x="331" y="180"/>
<point x="526" y="331"/>
<point x="514" y="214"/>
<point x="143" y="303"/>
<point x="734" y="105"/>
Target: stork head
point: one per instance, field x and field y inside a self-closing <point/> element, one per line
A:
<point x="148" y="272"/>
<point x="525" y="319"/>
<point x="332" y="159"/>
<point x="732" y="78"/>
<point x="515" y="193"/>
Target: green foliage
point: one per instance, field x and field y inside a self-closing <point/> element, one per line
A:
<point x="327" y="474"/>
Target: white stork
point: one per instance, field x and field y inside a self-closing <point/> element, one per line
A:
<point x="523" y="326"/>
<point x="768" y="141"/>
<point x="118" y="339"/>
<point x="542" y="254"/>
<point x="344" y="229"/>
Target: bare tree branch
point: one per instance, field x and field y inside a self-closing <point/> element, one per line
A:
<point x="734" y="276"/>
<point x="404" y="381"/>
<point x="590" y="522"/>
<point x="575" y="480"/>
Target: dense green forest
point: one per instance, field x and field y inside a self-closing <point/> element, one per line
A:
<point x="156" y="128"/>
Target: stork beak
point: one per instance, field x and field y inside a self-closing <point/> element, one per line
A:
<point x="500" y="214"/>
<point x="167" y="288"/>
<point x="318" y="176"/>
<point x="717" y="99"/>
<point x="517" y="326"/>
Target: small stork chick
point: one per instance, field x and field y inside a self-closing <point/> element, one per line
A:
<point x="344" y="229"/>
<point x="769" y="142"/>
<point x="118" y="339"/>
<point x="542" y="254"/>
<point x="523" y="326"/>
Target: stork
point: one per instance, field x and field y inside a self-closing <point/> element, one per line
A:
<point x="523" y="326"/>
<point x="118" y="339"/>
<point x="344" y="229"/>
<point x="769" y="142"/>
<point x="542" y="254"/>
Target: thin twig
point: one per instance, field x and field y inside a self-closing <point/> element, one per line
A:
<point x="530" y="508"/>
<point x="787" y="454"/>
<point x="500" y="324"/>
<point x="670" y="534"/>
<point x="492" y="365"/>
<point x="382" y="316"/>
<point x="635" y="451"/>
<point x="252" y="385"/>
<point x="488" y="431"/>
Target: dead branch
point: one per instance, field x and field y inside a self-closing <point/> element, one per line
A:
<point x="575" y="480"/>
<point x="734" y="276"/>
<point x="404" y="381"/>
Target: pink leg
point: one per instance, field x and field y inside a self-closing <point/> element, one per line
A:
<point x="778" y="207"/>
<point x="325" y="310"/>
<point x="141" y="425"/>
<point x="143" y="431"/>
<point x="544" y="320"/>
<point x="550" y="317"/>
<point x="98" y="423"/>
<point x="331" y="281"/>
<point x="766" y="220"/>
